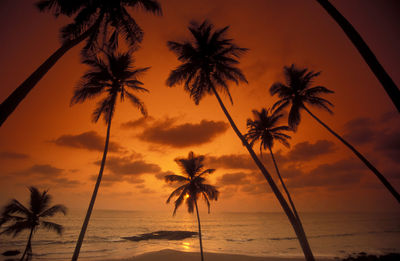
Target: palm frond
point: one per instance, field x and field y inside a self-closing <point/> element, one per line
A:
<point x="51" y="226"/>
<point x="53" y="210"/>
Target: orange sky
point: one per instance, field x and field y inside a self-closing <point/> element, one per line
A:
<point x="47" y="143"/>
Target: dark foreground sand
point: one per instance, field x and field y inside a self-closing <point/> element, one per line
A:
<point x="173" y="255"/>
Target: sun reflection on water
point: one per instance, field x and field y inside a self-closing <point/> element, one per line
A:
<point x="186" y="245"/>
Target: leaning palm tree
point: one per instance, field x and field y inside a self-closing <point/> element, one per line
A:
<point x="299" y="92"/>
<point x="263" y="128"/>
<point x="100" y="22"/>
<point x="193" y="186"/>
<point x="115" y="78"/>
<point x="209" y="62"/>
<point x="31" y="218"/>
<point x="380" y="73"/>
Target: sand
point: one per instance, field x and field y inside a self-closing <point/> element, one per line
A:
<point x="173" y="255"/>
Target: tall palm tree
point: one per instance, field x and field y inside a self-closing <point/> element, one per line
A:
<point x="263" y="128"/>
<point x="31" y="218"/>
<point x="115" y="78"/>
<point x="193" y="187"/>
<point x="299" y="92"/>
<point x="101" y="22"/>
<point x="380" y="73"/>
<point x="209" y="62"/>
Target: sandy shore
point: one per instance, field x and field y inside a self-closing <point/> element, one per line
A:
<point x="173" y="255"/>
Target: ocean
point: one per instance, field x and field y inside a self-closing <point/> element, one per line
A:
<point x="257" y="234"/>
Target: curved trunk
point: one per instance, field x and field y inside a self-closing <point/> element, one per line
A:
<point x="16" y="97"/>
<point x="284" y="187"/>
<point x="361" y="157"/>
<point x="93" y="199"/>
<point x="28" y="248"/>
<point x="386" y="81"/>
<point x="293" y="220"/>
<point x="198" y="222"/>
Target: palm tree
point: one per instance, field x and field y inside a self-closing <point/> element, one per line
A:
<point x="32" y="217"/>
<point x="112" y="77"/>
<point x="380" y="73"/>
<point x="101" y="22"/>
<point x="299" y="92"/>
<point x="208" y="63"/>
<point x="193" y="187"/>
<point x="263" y="128"/>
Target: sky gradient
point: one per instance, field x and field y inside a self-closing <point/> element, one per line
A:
<point x="48" y="143"/>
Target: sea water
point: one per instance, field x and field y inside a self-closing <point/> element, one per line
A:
<point x="257" y="234"/>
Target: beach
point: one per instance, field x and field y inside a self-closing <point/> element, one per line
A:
<point x="173" y="255"/>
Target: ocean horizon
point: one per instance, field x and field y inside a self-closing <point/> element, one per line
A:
<point x="330" y="234"/>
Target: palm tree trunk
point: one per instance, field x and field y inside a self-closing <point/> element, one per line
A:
<point x="361" y="157"/>
<point x="28" y="245"/>
<point x="386" y="81"/>
<point x="198" y="222"/>
<point x="284" y="187"/>
<point x="293" y="221"/>
<point x="93" y="199"/>
<point x="16" y="97"/>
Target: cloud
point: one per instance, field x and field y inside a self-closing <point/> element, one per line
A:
<point x="87" y="140"/>
<point x="341" y="173"/>
<point x="237" y="178"/>
<point x="388" y="143"/>
<point x="45" y="173"/>
<point x="232" y="161"/>
<point x="12" y="155"/>
<point x="359" y="131"/>
<point x="305" y="151"/>
<point x="141" y="122"/>
<point x="129" y="169"/>
<point x="183" y="135"/>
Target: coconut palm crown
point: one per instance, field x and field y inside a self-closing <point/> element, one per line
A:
<point x="208" y="62"/>
<point x="194" y="186"/>
<point x="110" y="20"/>
<point x="263" y="128"/>
<point x="16" y="217"/>
<point x="297" y="92"/>
<point x="113" y="76"/>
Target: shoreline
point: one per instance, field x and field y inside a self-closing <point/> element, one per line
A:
<point x="175" y="255"/>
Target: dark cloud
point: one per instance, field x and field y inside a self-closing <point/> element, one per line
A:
<point x="359" y="131"/>
<point x="183" y="135"/>
<point x="129" y="169"/>
<point x="237" y="178"/>
<point x="305" y="151"/>
<point x="45" y="174"/>
<point x="141" y="122"/>
<point x="130" y="166"/>
<point x="388" y="143"/>
<point x="342" y="173"/>
<point x="88" y="140"/>
<point x="232" y="161"/>
<point x="12" y="155"/>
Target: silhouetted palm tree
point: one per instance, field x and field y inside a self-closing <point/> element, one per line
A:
<point x="208" y="63"/>
<point x="380" y="73"/>
<point x="263" y="128"/>
<point x="193" y="187"/>
<point x="32" y="217"/>
<point x="101" y="22"/>
<point x="113" y="78"/>
<point x="299" y="92"/>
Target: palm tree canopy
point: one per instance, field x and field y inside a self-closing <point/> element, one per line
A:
<point x="299" y="91"/>
<point x="22" y="218"/>
<point x="111" y="18"/>
<point x="114" y="76"/>
<point x="208" y="61"/>
<point x="192" y="182"/>
<point x="264" y="129"/>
